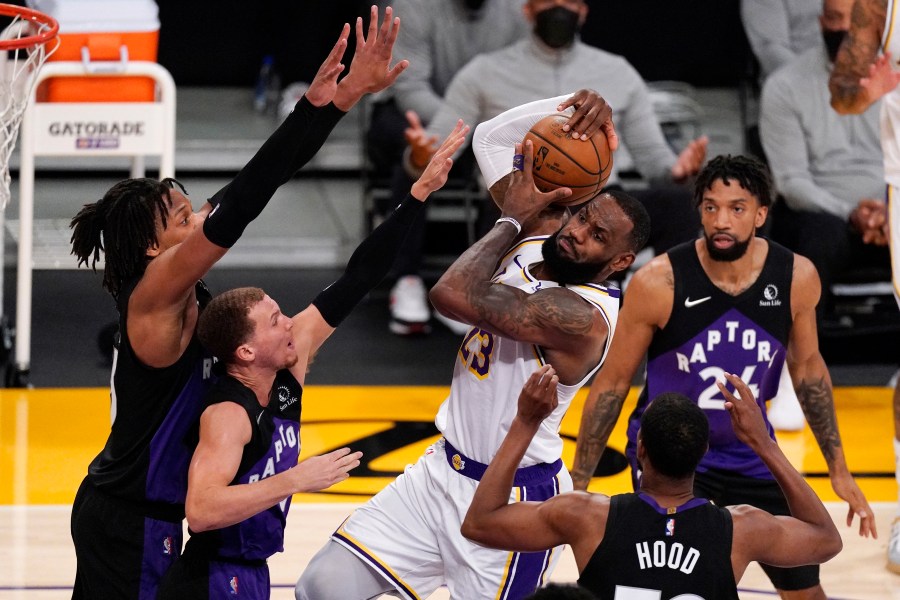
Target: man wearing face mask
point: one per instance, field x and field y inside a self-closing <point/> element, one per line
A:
<point x="438" y="38"/>
<point x="827" y="167"/>
<point x="553" y="61"/>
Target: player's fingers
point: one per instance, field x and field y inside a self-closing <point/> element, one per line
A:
<point x="612" y="138"/>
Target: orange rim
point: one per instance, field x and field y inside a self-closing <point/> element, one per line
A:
<point x="45" y="24"/>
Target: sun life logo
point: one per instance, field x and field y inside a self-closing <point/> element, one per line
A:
<point x="770" y="295"/>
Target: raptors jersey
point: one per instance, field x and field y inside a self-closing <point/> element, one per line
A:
<point x="710" y="333"/>
<point x="154" y="413"/>
<point x="274" y="447"/>
<point x="653" y="552"/>
<point x="491" y="370"/>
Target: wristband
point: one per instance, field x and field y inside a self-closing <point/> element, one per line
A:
<point x="515" y="223"/>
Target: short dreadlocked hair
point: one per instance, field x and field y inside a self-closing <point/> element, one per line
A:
<point x="750" y="174"/>
<point x="122" y="225"/>
<point x="675" y="434"/>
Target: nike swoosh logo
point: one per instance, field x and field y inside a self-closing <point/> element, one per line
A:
<point x="688" y="303"/>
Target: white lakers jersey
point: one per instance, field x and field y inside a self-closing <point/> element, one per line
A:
<point x="490" y="371"/>
<point x="890" y="106"/>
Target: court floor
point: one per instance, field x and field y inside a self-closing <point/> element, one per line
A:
<point x="48" y="436"/>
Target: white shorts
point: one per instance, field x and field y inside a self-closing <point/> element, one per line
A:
<point x="894" y="237"/>
<point x="409" y="532"/>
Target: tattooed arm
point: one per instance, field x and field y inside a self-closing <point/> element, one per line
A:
<point x="812" y="383"/>
<point x="647" y="306"/>
<point x="557" y="319"/>
<point x="860" y="76"/>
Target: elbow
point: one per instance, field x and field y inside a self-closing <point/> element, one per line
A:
<point x="472" y="531"/>
<point x="198" y="519"/>
<point x="832" y="545"/>
<point x="443" y="298"/>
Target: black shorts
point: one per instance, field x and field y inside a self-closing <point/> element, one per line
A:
<point x="120" y="553"/>
<point x="195" y="576"/>
<point x="725" y="488"/>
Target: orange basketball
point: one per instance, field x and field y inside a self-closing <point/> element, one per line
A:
<point x="561" y="161"/>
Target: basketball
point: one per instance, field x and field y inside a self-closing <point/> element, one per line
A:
<point x="561" y="161"/>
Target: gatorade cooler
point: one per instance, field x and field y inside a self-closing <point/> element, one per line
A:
<point x="103" y="34"/>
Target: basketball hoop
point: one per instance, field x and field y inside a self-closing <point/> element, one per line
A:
<point x="25" y="44"/>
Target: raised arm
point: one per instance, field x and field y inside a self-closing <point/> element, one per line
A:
<point x="494" y="141"/>
<point x="812" y="383"/>
<point x="808" y="536"/>
<point x="212" y="503"/>
<point x="371" y="261"/>
<point x="856" y="58"/>
<point x="528" y="526"/>
<point x="554" y="318"/>
<point x="647" y="303"/>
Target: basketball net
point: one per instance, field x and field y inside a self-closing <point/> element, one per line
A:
<point x="25" y="44"/>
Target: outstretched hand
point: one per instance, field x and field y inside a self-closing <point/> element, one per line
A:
<point x="321" y="472"/>
<point x="371" y="69"/>
<point x="592" y="114"/>
<point x="746" y="416"/>
<point x="538" y="398"/>
<point x="324" y="85"/>
<point x="435" y="175"/>
<point x="523" y="201"/>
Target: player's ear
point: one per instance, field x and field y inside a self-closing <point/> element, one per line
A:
<point x="761" y="214"/>
<point x="622" y="261"/>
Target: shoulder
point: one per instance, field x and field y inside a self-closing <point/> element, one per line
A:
<point x="657" y="276"/>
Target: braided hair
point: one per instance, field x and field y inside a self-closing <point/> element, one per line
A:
<point x="122" y="225"/>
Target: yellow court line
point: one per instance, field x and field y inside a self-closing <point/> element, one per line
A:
<point x="49" y="436"/>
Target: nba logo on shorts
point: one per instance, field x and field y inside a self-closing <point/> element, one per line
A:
<point x="167" y="545"/>
<point x="233" y="586"/>
<point x="670" y="527"/>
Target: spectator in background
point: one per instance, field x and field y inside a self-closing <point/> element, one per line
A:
<point x="779" y="30"/>
<point x="554" y="61"/>
<point x="827" y="167"/>
<point x="438" y="37"/>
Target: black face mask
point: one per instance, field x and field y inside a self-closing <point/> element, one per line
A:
<point x="556" y="26"/>
<point x="833" y="39"/>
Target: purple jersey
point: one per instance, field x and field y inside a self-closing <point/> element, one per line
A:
<point x="274" y="447"/>
<point x="154" y="419"/>
<point x="710" y="333"/>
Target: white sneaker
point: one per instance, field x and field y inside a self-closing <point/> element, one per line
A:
<point x="409" y="307"/>
<point x="784" y="410"/>
<point x="457" y="327"/>
<point x="893" y="551"/>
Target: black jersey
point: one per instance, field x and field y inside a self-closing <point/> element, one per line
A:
<point x="676" y="552"/>
<point x="154" y="416"/>
<point x="711" y="332"/>
<point x="274" y="447"/>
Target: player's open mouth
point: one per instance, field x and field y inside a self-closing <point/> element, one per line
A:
<point x="723" y="241"/>
<point x="566" y="248"/>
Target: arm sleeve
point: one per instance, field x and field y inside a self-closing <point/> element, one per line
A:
<point x="370" y="262"/>
<point x="290" y="147"/>
<point x="494" y="141"/>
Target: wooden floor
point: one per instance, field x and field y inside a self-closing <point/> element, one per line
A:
<point x="48" y="436"/>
